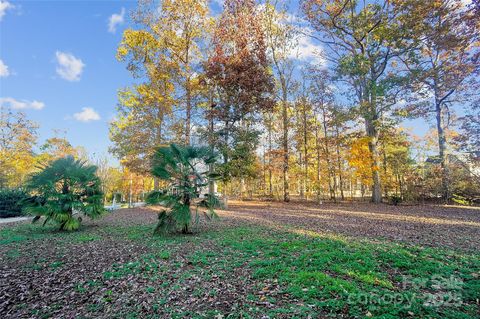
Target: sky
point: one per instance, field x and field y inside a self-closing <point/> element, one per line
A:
<point x="58" y="65"/>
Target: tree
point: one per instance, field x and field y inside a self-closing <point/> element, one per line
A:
<point x="359" y="158"/>
<point x="177" y="30"/>
<point x="110" y="177"/>
<point x="144" y="110"/>
<point x="57" y="147"/>
<point x="62" y="189"/>
<point x="281" y="40"/>
<point x="363" y="40"/>
<point x="180" y="166"/>
<point x="268" y="122"/>
<point x="18" y="136"/>
<point x="397" y="162"/>
<point x="141" y="124"/>
<point x="323" y="100"/>
<point x="238" y="70"/>
<point x="469" y="140"/>
<point x="303" y="124"/>
<point x="445" y="65"/>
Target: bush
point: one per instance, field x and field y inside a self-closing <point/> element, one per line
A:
<point x="462" y="200"/>
<point x="177" y="165"/>
<point x="11" y="202"/>
<point x="63" y="189"/>
<point x="395" y="199"/>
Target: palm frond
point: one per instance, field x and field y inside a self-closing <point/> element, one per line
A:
<point x="177" y="165"/>
<point x="62" y="187"/>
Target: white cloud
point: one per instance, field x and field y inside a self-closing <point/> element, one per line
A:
<point x="69" y="67"/>
<point x="307" y="50"/>
<point x="86" y="115"/>
<point x="4" y="6"/>
<point x="23" y="104"/>
<point x="116" y="20"/>
<point x="3" y="70"/>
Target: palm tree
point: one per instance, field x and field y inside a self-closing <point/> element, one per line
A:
<point x="179" y="166"/>
<point x="63" y="188"/>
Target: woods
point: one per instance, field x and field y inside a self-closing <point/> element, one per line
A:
<point x="240" y="159"/>
<point x="286" y="126"/>
<point x="314" y="104"/>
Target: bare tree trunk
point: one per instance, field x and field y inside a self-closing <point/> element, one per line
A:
<point x="385" y="171"/>
<point x="305" y="151"/>
<point x="373" y="146"/>
<point x="130" y="192"/>
<point x="243" y="187"/>
<point x="264" y="172"/>
<point x="372" y="133"/>
<point x="442" y="141"/>
<point x="331" y="175"/>
<point x="188" y="114"/>
<point x="286" y="194"/>
<point x="369" y="99"/>
<point x="211" y="183"/>
<point x="302" y="181"/>
<point x="317" y="146"/>
<point x="270" y="182"/>
<point x="339" y="163"/>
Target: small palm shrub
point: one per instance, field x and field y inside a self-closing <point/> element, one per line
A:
<point x="62" y="190"/>
<point x="154" y="197"/>
<point x="180" y="166"/>
<point x="11" y="202"/>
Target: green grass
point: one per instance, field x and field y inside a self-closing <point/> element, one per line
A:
<point x="317" y="276"/>
<point x="332" y="276"/>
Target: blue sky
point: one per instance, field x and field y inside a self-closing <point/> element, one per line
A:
<point x="61" y="65"/>
<point x="57" y="64"/>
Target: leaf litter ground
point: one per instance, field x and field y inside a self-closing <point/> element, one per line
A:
<point x="259" y="260"/>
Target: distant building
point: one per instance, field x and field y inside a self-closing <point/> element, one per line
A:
<point x="463" y="160"/>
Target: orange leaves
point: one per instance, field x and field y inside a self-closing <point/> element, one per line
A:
<point x="238" y="66"/>
<point x="360" y="159"/>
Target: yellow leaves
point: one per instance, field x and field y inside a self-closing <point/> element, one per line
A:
<point x="360" y="158"/>
<point x="122" y="51"/>
<point x="127" y="98"/>
<point x="137" y="42"/>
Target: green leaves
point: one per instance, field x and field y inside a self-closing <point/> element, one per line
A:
<point x="64" y="188"/>
<point x="179" y="165"/>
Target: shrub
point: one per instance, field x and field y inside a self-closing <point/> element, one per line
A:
<point x="11" y="202"/>
<point x="62" y="189"/>
<point x="462" y="200"/>
<point x="179" y="166"/>
<point x="395" y="199"/>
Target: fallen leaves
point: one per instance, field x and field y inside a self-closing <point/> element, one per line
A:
<point x="426" y="225"/>
<point x="113" y="268"/>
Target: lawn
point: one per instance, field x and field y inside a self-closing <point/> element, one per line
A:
<point x="259" y="260"/>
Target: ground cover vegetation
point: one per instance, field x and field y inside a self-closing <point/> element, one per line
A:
<point x="346" y="213"/>
<point x="258" y="260"/>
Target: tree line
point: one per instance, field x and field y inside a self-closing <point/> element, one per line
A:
<point x="331" y="127"/>
<point x="284" y="126"/>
